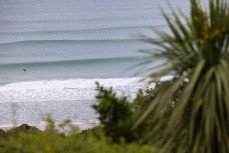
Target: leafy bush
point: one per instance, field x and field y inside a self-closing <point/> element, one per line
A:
<point x="115" y="114"/>
<point x="118" y="115"/>
<point x="52" y="141"/>
<point x="24" y="128"/>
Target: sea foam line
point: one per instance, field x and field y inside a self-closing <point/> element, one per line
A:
<point x="68" y="90"/>
<point x="64" y="90"/>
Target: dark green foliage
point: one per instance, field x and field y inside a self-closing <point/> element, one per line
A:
<point x="118" y="115"/>
<point x="52" y="141"/>
<point x="24" y="128"/>
<point x="2" y="134"/>
<point x="115" y="114"/>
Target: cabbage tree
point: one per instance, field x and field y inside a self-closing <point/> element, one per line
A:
<point x="196" y="52"/>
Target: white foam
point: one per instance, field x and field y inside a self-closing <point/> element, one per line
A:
<point x="64" y="90"/>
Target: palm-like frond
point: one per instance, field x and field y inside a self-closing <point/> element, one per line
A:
<point x="197" y="51"/>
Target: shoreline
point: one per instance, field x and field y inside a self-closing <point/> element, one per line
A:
<point x="81" y="126"/>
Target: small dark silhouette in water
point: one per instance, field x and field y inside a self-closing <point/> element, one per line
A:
<point x="24" y="70"/>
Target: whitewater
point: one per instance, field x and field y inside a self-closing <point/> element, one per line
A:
<point x="52" y="53"/>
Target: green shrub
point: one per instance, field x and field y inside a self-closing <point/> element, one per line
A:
<point x="2" y="134"/>
<point x="118" y="115"/>
<point x="115" y="114"/>
<point x="52" y="141"/>
<point x="24" y="128"/>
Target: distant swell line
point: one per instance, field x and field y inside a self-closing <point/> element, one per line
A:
<point x="68" y="41"/>
<point x="86" y="30"/>
<point x="26" y="42"/>
<point x="78" y="61"/>
<point x="79" y="19"/>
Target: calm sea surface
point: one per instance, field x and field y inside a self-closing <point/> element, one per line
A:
<point x="53" y="51"/>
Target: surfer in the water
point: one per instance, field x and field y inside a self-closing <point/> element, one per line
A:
<point x="24" y="70"/>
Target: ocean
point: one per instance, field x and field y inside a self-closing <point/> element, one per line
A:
<point x="53" y="51"/>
